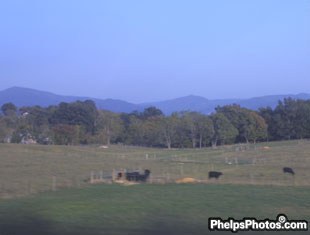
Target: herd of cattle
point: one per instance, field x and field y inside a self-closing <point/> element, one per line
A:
<point x="134" y="176"/>
<point x="138" y="177"/>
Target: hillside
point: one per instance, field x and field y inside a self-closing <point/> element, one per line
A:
<point x="72" y="165"/>
<point x="30" y="97"/>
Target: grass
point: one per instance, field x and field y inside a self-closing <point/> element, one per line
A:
<point x="148" y="209"/>
<point x="253" y="185"/>
<point x="28" y="169"/>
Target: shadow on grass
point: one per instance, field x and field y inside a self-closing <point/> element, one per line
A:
<point x="27" y="224"/>
<point x="33" y="227"/>
<point x="165" y="225"/>
<point x="30" y="224"/>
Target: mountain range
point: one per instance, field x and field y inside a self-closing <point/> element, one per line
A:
<point x="30" y="97"/>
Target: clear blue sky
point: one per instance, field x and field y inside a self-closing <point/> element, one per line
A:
<point x="152" y="50"/>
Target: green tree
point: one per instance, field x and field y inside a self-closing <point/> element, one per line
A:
<point x="248" y="123"/>
<point x="224" y="131"/>
<point x="9" y="109"/>
<point x="135" y="133"/>
<point x="109" y="126"/>
<point x="6" y="131"/>
<point x="190" y="126"/>
<point x="151" y="131"/>
<point x="199" y="128"/>
<point x="302" y="119"/>
<point x="185" y="131"/>
<point x="82" y="113"/>
<point x="268" y="115"/>
<point x="284" y="119"/>
<point x="151" y="112"/>
<point x="205" y="129"/>
<point x="169" y="127"/>
<point x="257" y="127"/>
<point x="65" y="134"/>
<point x="144" y="128"/>
<point x="37" y="120"/>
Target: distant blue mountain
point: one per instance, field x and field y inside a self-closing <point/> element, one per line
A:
<point x="190" y="103"/>
<point x="30" y="97"/>
<point x="203" y="105"/>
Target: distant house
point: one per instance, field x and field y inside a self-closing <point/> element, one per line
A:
<point x="24" y="114"/>
<point x="103" y="147"/>
<point x="8" y="139"/>
<point x="28" y="139"/>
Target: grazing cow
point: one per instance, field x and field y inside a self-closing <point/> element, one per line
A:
<point x="288" y="170"/>
<point x="119" y="175"/>
<point x="215" y="174"/>
<point x="136" y="176"/>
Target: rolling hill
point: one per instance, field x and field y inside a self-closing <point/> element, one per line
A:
<point x="30" y="97"/>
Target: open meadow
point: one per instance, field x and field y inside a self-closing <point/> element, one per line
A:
<point x="28" y="169"/>
<point x="46" y="189"/>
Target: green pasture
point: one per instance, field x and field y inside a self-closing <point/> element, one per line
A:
<point x="29" y="169"/>
<point x="148" y="209"/>
<point x="44" y="189"/>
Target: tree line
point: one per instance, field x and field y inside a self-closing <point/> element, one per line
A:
<point x="81" y="123"/>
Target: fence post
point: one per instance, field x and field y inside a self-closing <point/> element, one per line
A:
<point x="78" y="184"/>
<point x="54" y="183"/>
<point x="29" y="187"/>
<point x="101" y="176"/>
<point x="236" y="161"/>
<point x="113" y="175"/>
<point x="181" y="168"/>
<point x="252" y="178"/>
<point x="91" y="177"/>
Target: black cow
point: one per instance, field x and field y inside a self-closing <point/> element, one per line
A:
<point x="288" y="170"/>
<point x="215" y="174"/>
<point x="119" y="175"/>
<point x="136" y="176"/>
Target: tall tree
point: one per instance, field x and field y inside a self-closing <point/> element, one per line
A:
<point x="151" y="112"/>
<point x="9" y="109"/>
<point x="37" y="120"/>
<point x="245" y="121"/>
<point x="224" y="131"/>
<point x="190" y="120"/>
<point x="82" y="113"/>
<point x="302" y="119"/>
<point x="109" y="126"/>
<point x="6" y="130"/>
<point x="257" y="127"/>
<point x="268" y="115"/>
<point x="205" y="129"/>
<point x="65" y="134"/>
<point x="284" y="116"/>
<point x="152" y="135"/>
<point x="199" y="126"/>
<point x="169" y="129"/>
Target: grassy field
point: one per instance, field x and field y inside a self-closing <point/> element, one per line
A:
<point x="28" y="169"/>
<point x="253" y="185"/>
<point x="148" y="209"/>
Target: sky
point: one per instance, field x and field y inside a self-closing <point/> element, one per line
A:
<point x="142" y="51"/>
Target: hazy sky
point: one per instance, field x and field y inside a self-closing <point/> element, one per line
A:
<point x="152" y="50"/>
